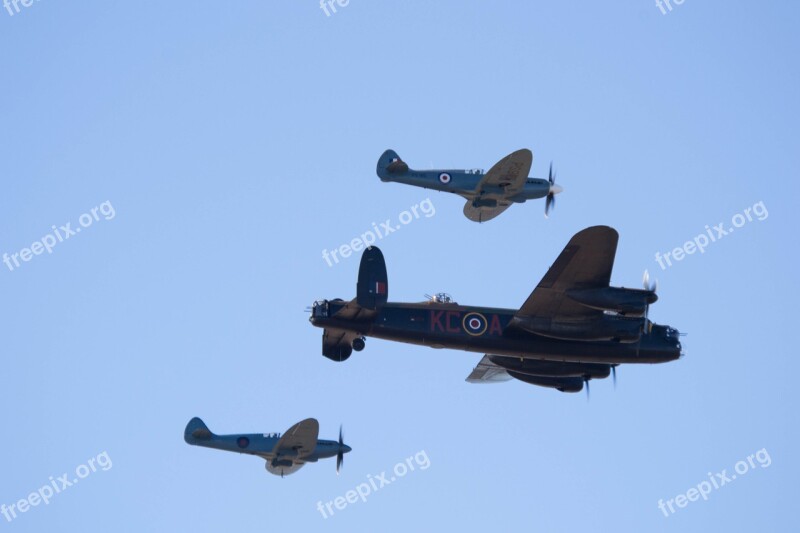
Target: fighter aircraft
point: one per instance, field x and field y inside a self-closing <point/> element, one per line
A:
<point x="284" y="454"/>
<point x="573" y="327"/>
<point x="487" y="194"/>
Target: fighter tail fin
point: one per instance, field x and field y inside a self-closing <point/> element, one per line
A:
<point x="390" y="164"/>
<point x="196" y="430"/>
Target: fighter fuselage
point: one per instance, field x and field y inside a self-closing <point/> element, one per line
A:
<point x="465" y="183"/>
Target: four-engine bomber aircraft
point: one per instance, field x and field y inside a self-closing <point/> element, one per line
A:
<point x="574" y="326"/>
<point x="487" y="194"/>
<point x="284" y="454"/>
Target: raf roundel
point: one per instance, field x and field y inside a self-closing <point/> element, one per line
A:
<point x="474" y="324"/>
<point x="444" y="177"/>
<point x="243" y="442"/>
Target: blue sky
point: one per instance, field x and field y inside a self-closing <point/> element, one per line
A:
<point x="236" y="141"/>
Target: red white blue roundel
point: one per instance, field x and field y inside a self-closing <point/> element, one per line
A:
<point x="243" y="442"/>
<point x="474" y="324"/>
<point x="444" y="177"/>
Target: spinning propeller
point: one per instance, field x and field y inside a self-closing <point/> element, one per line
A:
<point x="650" y="287"/>
<point x="551" y="195"/>
<point x="587" y="378"/>
<point x="340" y="452"/>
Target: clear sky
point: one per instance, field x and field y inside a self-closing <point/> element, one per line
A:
<point x="226" y="145"/>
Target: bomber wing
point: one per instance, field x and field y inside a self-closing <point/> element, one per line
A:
<point x="488" y="372"/>
<point x="505" y="179"/>
<point x="585" y="263"/>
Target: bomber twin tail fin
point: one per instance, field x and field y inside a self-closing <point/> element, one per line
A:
<point x="372" y="290"/>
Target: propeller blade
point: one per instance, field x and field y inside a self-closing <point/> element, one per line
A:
<point x="339" y="454"/>
<point x="550" y="202"/>
<point x="586" y="382"/>
<point x="614" y="375"/>
<point x="652" y="287"/>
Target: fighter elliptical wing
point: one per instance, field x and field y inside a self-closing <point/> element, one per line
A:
<point x="503" y="181"/>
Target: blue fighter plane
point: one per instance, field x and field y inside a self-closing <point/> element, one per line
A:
<point x="284" y="454"/>
<point x="487" y="194"/>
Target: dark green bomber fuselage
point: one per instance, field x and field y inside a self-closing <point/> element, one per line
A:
<point x="485" y="330"/>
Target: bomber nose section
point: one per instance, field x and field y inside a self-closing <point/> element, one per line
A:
<point x="674" y="336"/>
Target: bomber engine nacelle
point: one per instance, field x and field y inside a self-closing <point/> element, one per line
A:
<point x="629" y="302"/>
<point x="560" y="384"/>
<point x="606" y="328"/>
<point x="338" y="353"/>
<point x="534" y="367"/>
